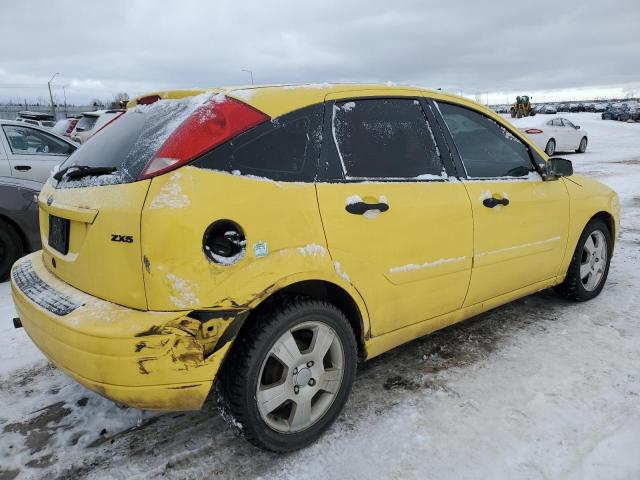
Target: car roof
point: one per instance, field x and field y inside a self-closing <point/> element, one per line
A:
<point x="35" y="115"/>
<point x="276" y="100"/>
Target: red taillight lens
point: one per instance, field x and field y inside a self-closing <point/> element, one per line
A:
<point x="148" y="100"/>
<point x="72" y="124"/>
<point x="210" y="125"/>
<point x="533" y="130"/>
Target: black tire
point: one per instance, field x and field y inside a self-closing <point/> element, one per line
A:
<point x="572" y="287"/>
<point x="582" y="147"/>
<point x="11" y="249"/>
<point x="550" y="148"/>
<point x="237" y="382"/>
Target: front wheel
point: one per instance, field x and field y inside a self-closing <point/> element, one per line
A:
<point x="589" y="266"/>
<point x="289" y="374"/>
<point x="550" y="149"/>
<point x="583" y="145"/>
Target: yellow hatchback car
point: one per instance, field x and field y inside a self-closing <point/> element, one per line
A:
<point x="267" y="238"/>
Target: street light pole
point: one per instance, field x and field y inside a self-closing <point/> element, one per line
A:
<point x="250" y="73"/>
<point x="64" y="90"/>
<point x="53" y="108"/>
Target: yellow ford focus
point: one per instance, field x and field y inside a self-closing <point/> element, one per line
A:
<point x="268" y="238"/>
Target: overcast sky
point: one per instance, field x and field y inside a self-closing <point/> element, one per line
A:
<point x="550" y="49"/>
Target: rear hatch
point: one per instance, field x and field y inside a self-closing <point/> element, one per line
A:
<point x="90" y="208"/>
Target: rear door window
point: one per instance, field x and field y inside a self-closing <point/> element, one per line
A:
<point x="385" y="139"/>
<point x="486" y="148"/>
<point x="30" y="141"/>
<point x="86" y="123"/>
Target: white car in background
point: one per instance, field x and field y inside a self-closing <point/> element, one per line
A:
<point x="31" y="152"/>
<point x="65" y="126"/>
<point x="554" y="135"/>
<point x="91" y="122"/>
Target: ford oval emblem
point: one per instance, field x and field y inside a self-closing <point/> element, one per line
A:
<point x="50" y="200"/>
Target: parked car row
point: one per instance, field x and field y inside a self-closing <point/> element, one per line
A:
<point x="615" y="111"/>
<point x="79" y="128"/>
<point x="621" y="112"/>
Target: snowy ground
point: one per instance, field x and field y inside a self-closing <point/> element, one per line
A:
<point x="537" y="389"/>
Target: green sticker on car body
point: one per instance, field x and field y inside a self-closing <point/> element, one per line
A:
<point x="260" y="249"/>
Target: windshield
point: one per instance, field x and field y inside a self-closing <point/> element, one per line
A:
<point x="128" y="143"/>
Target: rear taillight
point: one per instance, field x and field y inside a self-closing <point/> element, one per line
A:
<point x="72" y="124"/>
<point x="210" y="125"/>
<point x="148" y="100"/>
<point x="533" y="130"/>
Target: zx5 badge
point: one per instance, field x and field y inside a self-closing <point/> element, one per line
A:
<point x="121" y="238"/>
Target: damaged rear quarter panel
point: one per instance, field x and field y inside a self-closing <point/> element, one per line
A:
<point x="282" y="215"/>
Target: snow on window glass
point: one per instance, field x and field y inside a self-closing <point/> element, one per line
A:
<point x="385" y="138"/>
<point x="131" y="140"/>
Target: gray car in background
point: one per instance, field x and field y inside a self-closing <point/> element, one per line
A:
<point x="31" y="152"/>
<point x="19" y="232"/>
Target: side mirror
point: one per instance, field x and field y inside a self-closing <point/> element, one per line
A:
<point x="556" y="168"/>
<point x="577" y="127"/>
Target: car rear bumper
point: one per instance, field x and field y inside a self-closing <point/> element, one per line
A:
<point x="143" y="359"/>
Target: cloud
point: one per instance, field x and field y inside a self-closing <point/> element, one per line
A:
<point x="468" y="46"/>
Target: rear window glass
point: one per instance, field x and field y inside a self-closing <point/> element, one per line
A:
<point x="131" y="140"/>
<point x="87" y="122"/>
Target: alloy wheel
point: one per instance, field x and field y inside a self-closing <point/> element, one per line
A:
<point x="300" y="377"/>
<point x="594" y="260"/>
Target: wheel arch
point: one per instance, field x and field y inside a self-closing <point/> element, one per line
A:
<point x="349" y="303"/>
<point x="609" y="221"/>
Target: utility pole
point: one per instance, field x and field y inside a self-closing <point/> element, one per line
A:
<point x="250" y="73"/>
<point x="53" y="108"/>
<point x="64" y="90"/>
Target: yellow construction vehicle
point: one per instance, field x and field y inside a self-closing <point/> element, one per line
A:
<point x="522" y="107"/>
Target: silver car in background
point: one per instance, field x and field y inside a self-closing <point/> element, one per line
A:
<point x="30" y="152"/>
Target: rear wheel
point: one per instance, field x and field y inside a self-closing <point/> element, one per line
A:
<point x="583" y="145"/>
<point x="11" y="248"/>
<point x="550" y="149"/>
<point x="289" y="376"/>
<point x="589" y="266"/>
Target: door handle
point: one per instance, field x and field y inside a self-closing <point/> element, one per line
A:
<point x="22" y="168"/>
<point x="492" y="202"/>
<point x="360" y="208"/>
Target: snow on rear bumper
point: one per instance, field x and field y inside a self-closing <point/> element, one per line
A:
<point x="139" y="358"/>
